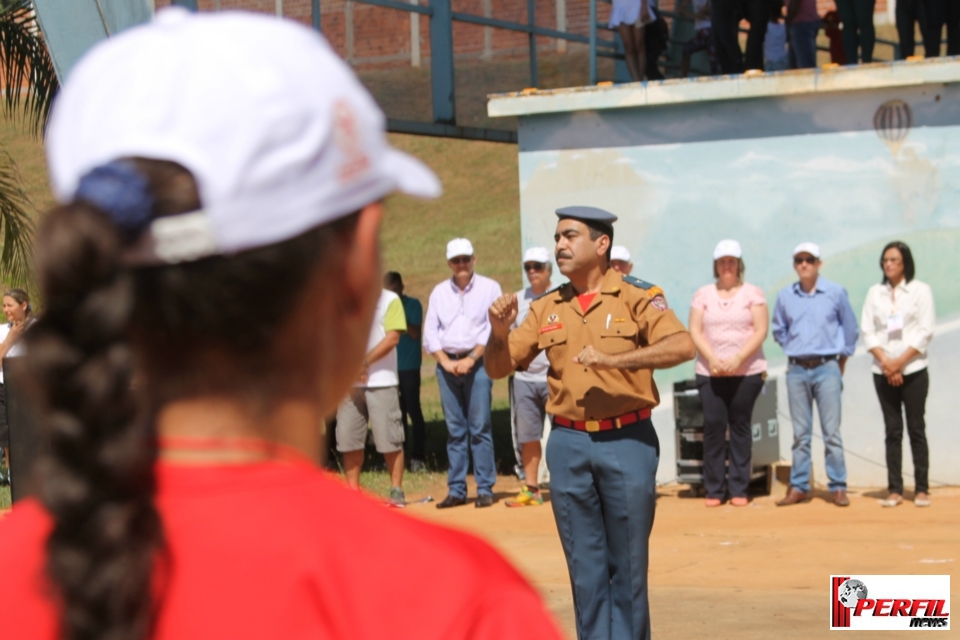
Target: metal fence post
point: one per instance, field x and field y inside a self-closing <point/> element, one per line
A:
<point x="593" y="41"/>
<point x="441" y="62"/>
<point x="315" y="14"/>
<point x="532" y="21"/>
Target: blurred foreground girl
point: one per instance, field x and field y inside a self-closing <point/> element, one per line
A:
<point x="202" y="159"/>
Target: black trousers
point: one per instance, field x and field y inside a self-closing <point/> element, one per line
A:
<point x="931" y="14"/>
<point x="4" y="427"/>
<point x="757" y="13"/>
<point x="859" y="35"/>
<point x="909" y="398"/>
<point x="953" y="27"/>
<point x="410" y="408"/>
<point x="724" y="21"/>
<point x="655" y="42"/>
<point x="727" y="402"/>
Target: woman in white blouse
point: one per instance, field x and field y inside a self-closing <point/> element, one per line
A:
<point x="897" y="325"/>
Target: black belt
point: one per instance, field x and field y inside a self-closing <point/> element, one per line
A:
<point x="813" y="363"/>
<point x="458" y="356"/>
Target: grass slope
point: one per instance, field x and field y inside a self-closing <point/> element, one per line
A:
<point x="480" y="202"/>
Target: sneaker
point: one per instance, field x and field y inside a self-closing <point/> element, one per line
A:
<point x="397" y="499"/>
<point x="526" y="498"/>
<point x="520" y="473"/>
<point x="417" y="466"/>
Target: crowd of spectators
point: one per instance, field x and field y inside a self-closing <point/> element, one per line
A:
<point x="782" y="34"/>
<point x="816" y="327"/>
<point x="812" y="321"/>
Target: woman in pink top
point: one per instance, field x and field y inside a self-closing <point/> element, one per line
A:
<point x="728" y="323"/>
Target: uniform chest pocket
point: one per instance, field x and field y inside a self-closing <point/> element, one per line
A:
<point x="552" y="337"/>
<point x="619" y="337"/>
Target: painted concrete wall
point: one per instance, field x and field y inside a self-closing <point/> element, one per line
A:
<point x="771" y="170"/>
<point x="862" y="425"/>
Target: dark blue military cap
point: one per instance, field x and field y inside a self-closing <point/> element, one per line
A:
<point x="588" y="214"/>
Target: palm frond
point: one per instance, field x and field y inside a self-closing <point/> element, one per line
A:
<point x="16" y="225"/>
<point x="26" y="70"/>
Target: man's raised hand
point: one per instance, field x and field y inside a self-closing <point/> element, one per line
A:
<point x="503" y="312"/>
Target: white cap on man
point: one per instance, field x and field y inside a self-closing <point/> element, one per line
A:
<point x="726" y="248"/>
<point x="808" y="247"/>
<point x="536" y="254"/>
<point x="459" y="247"/>
<point x="619" y="252"/>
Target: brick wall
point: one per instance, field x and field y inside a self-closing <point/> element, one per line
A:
<point x="371" y="37"/>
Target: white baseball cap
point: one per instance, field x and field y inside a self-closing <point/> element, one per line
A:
<point x="808" y="247"/>
<point x="727" y="248"/>
<point x="459" y="247"/>
<point x="536" y="254"/>
<point x="619" y="252"/>
<point x="275" y="128"/>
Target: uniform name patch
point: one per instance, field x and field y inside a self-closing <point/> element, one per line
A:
<point x="551" y="327"/>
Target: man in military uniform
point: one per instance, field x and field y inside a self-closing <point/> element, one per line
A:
<point x="604" y="333"/>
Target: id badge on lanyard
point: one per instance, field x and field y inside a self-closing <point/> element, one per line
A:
<point x="895" y="326"/>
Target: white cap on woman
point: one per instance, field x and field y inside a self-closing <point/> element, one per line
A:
<point x="727" y="248"/>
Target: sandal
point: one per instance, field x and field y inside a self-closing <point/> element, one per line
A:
<point x="921" y="500"/>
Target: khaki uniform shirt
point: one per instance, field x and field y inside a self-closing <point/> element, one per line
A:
<point x="626" y="314"/>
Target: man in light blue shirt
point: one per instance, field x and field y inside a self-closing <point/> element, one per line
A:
<point x="815" y="324"/>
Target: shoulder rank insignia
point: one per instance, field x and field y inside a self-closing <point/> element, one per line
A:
<point x="641" y="284"/>
<point x="657" y="298"/>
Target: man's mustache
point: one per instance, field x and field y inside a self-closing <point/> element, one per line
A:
<point x="564" y="254"/>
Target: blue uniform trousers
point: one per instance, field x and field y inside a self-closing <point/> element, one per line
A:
<point x="603" y="492"/>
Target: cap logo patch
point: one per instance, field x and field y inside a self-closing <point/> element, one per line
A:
<point x="347" y="137"/>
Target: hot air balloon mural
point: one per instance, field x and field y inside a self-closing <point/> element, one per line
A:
<point x="892" y="121"/>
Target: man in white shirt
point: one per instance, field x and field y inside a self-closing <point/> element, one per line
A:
<point x="375" y="399"/>
<point x="528" y="389"/>
<point x="455" y="333"/>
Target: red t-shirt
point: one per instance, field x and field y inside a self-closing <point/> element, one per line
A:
<point x="279" y="550"/>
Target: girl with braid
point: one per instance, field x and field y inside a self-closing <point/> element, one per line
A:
<point x="200" y="158"/>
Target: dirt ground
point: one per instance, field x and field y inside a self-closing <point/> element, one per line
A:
<point x="759" y="571"/>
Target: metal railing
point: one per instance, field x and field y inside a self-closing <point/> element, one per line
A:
<point x="441" y="18"/>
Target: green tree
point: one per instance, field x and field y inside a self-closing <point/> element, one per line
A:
<point x="29" y="83"/>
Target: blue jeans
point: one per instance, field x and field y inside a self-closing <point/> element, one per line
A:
<point x="824" y="385"/>
<point x="603" y="489"/>
<point x="803" y="44"/>
<point x="466" y="408"/>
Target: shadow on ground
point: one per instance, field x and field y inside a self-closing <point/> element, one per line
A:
<point x="436" y="447"/>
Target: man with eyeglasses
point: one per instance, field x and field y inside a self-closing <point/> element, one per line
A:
<point x="528" y="387"/>
<point x="815" y="324"/>
<point x="455" y="333"/>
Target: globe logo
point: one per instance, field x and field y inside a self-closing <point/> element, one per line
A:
<point x="851" y="592"/>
